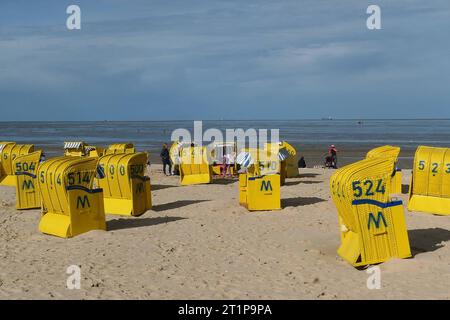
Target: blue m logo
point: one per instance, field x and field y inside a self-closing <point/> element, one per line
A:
<point x="83" y="202"/>
<point x="379" y="218"/>
<point x="266" y="185"/>
<point x="139" y="188"/>
<point x="27" y="185"/>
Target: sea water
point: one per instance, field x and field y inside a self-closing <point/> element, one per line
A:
<point x="353" y="138"/>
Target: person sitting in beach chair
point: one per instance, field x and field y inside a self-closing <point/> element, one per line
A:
<point x="328" y="162"/>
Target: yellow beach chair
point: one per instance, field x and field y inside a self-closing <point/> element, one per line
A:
<point x="291" y="161"/>
<point x="372" y="224"/>
<point x="27" y="188"/>
<point x="429" y="190"/>
<point x="70" y="203"/>
<point x="81" y="149"/>
<point x="126" y="189"/>
<point x="216" y="152"/>
<point x="120" y="148"/>
<point x="389" y="152"/>
<point x="9" y="151"/>
<point x="194" y="166"/>
<point x="260" y="185"/>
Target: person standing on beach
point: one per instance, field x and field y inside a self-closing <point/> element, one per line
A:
<point x="228" y="160"/>
<point x="333" y="154"/>
<point x="165" y="157"/>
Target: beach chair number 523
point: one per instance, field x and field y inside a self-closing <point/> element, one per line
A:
<point x="367" y="188"/>
<point x="434" y="166"/>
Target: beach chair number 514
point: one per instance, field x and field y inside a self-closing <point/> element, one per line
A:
<point x="367" y="188"/>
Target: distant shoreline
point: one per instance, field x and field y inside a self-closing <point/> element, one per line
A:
<point x="313" y="156"/>
<point x="229" y="120"/>
<point x="311" y="138"/>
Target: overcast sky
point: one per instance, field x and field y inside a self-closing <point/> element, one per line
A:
<point x="227" y="59"/>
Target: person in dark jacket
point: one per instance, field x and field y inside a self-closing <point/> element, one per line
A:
<point x="165" y="157"/>
<point x="302" y="163"/>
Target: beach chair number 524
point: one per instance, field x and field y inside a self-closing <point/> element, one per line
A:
<point x="366" y="188"/>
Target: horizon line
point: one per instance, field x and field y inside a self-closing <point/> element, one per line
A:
<point x="240" y="120"/>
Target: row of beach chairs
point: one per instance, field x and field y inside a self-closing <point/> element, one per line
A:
<point x="76" y="190"/>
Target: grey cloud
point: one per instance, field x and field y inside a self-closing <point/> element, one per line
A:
<point x="215" y="58"/>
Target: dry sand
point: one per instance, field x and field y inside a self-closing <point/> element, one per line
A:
<point x="198" y="243"/>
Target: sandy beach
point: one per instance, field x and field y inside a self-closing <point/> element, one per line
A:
<point x="198" y="243"/>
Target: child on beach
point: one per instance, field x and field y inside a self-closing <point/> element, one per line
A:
<point x="228" y="160"/>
